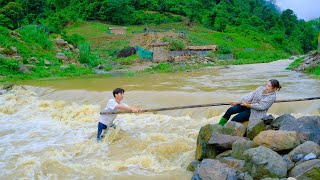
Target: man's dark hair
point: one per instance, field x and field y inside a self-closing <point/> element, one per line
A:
<point x="117" y="91"/>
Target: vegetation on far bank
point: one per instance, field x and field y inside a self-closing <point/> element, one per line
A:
<point x="314" y="70"/>
<point x="251" y="31"/>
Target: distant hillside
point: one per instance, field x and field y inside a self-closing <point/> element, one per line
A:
<point x="245" y="45"/>
<point x="260" y="16"/>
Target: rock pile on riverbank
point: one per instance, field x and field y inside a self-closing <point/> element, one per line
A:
<point x="309" y="61"/>
<point x="260" y="149"/>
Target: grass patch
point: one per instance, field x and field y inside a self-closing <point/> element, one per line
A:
<point x="296" y="63"/>
<point x="35" y="34"/>
<point x="314" y="70"/>
<point x="127" y="60"/>
<point x="165" y="67"/>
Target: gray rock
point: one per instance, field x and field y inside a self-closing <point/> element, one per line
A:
<point x="60" y="42"/>
<point x="239" y="146"/>
<point x="238" y="128"/>
<point x="64" y="66"/>
<point x="244" y="176"/>
<point x="289" y="162"/>
<point x="307" y="127"/>
<point x="310" y="156"/>
<point x="48" y="63"/>
<point x="306" y="170"/>
<point x="213" y="170"/>
<point x="33" y="60"/>
<point x="304" y="149"/>
<point x="286" y="118"/>
<point x="234" y="163"/>
<point x="268" y="119"/>
<point x="24" y="69"/>
<point x="262" y="162"/>
<point x="223" y="141"/>
<point x="61" y="56"/>
<point x="297" y="157"/>
<point x="255" y="126"/>
<point x="203" y="149"/>
<point x="14" y="49"/>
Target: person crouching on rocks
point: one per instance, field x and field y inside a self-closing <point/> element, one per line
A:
<point x="253" y="105"/>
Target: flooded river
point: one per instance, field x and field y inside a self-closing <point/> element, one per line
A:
<point x="48" y="130"/>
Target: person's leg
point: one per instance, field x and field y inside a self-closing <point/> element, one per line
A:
<point x="243" y="116"/>
<point x="232" y="110"/>
<point x="100" y="128"/>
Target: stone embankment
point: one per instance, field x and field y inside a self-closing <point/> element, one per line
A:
<point x="281" y="148"/>
<point x="312" y="60"/>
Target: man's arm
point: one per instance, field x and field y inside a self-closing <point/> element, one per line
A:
<point x="128" y="108"/>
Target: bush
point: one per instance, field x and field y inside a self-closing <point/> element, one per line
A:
<point x="8" y="67"/>
<point x="74" y="39"/>
<point x="176" y="45"/>
<point x="37" y="34"/>
<point x="223" y="49"/>
<point x="86" y="56"/>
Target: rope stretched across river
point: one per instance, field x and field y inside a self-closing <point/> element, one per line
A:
<point x="206" y="105"/>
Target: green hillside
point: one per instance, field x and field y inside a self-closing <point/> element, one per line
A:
<point x="44" y="39"/>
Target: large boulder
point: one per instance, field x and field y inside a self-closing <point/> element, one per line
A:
<point x="304" y="149"/>
<point x="205" y="150"/>
<point x="239" y="146"/>
<point x="306" y="170"/>
<point x="277" y="140"/>
<point x="210" y="169"/>
<point x="238" y="128"/>
<point x="284" y="119"/>
<point x="307" y="127"/>
<point x="262" y="162"/>
<point x="126" y="52"/>
<point x="255" y="126"/>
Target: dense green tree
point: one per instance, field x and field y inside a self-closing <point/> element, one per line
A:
<point x="5" y="22"/>
<point x="13" y="11"/>
<point x="116" y="11"/>
<point x="289" y="20"/>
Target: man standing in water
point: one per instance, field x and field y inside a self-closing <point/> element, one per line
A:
<point x="113" y="105"/>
